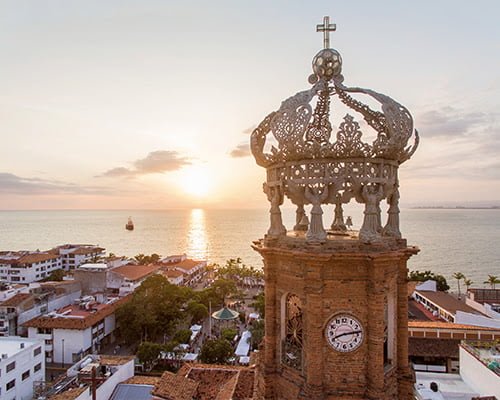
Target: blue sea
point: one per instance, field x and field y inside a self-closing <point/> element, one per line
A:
<point x="450" y="240"/>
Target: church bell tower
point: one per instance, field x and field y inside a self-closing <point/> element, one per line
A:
<point x="336" y="323"/>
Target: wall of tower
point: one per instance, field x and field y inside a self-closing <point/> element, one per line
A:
<point x="351" y="280"/>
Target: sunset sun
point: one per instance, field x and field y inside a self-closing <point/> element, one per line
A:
<point x="196" y="181"/>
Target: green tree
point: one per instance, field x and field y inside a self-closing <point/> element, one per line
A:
<point x="197" y="310"/>
<point x="222" y="289"/>
<point x="182" y="336"/>
<point x="492" y="281"/>
<point x="419" y="276"/>
<point x="229" y="334"/>
<point x="144" y="259"/>
<point x="56" y="275"/>
<point x="155" y="310"/>
<point x="468" y="283"/>
<point x="257" y="331"/>
<point x="458" y="276"/>
<point x="148" y="353"/>
<point x="216" y="351"/>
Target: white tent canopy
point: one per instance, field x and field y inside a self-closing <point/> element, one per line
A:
<point x="244" y="344"/>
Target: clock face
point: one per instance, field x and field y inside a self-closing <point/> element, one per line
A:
<point x="344" y="333"/>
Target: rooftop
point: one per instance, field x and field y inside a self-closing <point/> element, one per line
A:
<point x="448" y="325"/>
<point x="175" y="387"/>
<point x="450" y="386"/>
<point x="136" y="272"/>
<point x="125" y="391"/>
<point x="75" y="316"/>
<point x="447" y="301"/>
<point x="16" y="300"/>
<point x="187" y="264"/>
<point x="221" y="382"/>
<point x="487" y="353"/>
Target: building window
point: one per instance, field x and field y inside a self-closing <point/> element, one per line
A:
<point x="293" y="340"/>
<point x="10" y="385"/>
<point x="37" y="351"/>
<point x="38" y="367"/>
<point x="10" y="366"/>
<point x="25" y="375"/>
<point x="15" y="279"/>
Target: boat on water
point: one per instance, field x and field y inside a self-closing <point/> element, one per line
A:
<point x="129" y="225"/>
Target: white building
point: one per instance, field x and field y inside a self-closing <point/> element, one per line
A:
<point x="27" y="267"/>
<point x="38" y="299"/>
<point x="126" y="278"/>
<point x="193" y="270"/>
<point x="73" y="255"/>
<point x="76" y="330"/>
<point x="22" y="363"/>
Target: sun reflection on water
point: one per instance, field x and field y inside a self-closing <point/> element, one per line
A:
<point x="197" y="246"/>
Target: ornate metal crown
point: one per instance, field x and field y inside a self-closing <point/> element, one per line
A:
<point x="310" y="166"/>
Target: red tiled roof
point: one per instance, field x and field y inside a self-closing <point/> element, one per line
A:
<point x="87" y="250"/>
<point x="16" y="300"/>
<point x="89" y="318"/>
<point x="447" y="325"/>
<point x="175" y="387"/>
<point x="221" y="382"/>
<point x="447" y="301"/>
<point x="34" y="258"/>
<point x="172" y="273"/>
<point x="136" y="272"/>
<point x="187" y="264"/>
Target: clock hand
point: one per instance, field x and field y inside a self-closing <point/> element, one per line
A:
<point x="347" y="333"/>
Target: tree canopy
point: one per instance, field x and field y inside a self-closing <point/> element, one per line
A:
<point x="143" y="259"/>
<point x="419" y="276"/>
<point x="154" y="310"/>
<point x="216" y="351"/>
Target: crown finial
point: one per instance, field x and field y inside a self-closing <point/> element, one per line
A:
<point x="326" y="28"/>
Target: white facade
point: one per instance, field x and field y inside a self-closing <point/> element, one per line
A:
<point x="68" y="345"/>
<point x="73" y="255"/>
<point x="12" y="317"/>
<point x="18" y="271"/>
<point x="478" y="376"/>
<point x="22" y="363"/>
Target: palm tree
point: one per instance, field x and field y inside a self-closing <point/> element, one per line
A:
<point x="492" y="281"/>
<point x="458" y="276"/>
<point x="468" y="283"/>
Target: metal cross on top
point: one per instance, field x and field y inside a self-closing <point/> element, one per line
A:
<point x="326" y="28"/>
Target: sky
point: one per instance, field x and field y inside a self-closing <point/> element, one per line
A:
<point x="150" y="104"/>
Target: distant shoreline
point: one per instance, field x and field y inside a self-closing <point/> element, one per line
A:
<point x="455" y="208"/>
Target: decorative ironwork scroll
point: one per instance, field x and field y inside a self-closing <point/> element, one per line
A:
<point x="292" y="343"/>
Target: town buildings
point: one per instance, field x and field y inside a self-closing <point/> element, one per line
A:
<point x="33" y="300"/>
<point x="27" y="267"/>
<point x="31" y="266"/>
<point x="22" y="363"/>
<point x="72" y="332"/>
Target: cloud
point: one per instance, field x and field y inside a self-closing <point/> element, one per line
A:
<point x="155" y="162"/>
<point x="13" y="184"/>
<point x="449" y="121"/>
<point x="242" y="150"/>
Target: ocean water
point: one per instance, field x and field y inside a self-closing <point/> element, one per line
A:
<point x="450" y="240"/>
